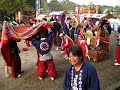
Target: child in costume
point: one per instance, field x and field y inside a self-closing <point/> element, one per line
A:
<point x="82" y="43"/>
<point x="45" y="61"/>
<point x="66" y="43"/>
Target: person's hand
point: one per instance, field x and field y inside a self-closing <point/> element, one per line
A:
<point x="48" y="28"/>
<point x="86" y="54"/>
<point x="71" y="28"/>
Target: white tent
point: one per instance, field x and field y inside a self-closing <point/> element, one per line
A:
<point x="56" y="13"/>
<point x="39" y="17"/>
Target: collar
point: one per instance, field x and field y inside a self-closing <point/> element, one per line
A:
<point x="43" y="38"/>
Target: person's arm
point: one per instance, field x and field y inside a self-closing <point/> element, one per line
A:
<point x="66" y="42"/>
<point x="64" y="28"/>
<point x="50" y="32"/>
<point x="35" y="42"/>
<point x="67" y="79"/>
<point x="92" y="80"/>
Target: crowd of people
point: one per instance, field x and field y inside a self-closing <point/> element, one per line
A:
<point x="72" y="38"/>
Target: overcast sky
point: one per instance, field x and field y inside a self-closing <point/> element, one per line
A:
<point x="97" y="2"/>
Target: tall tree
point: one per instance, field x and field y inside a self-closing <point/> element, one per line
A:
<point x="44" y="6"/>
<point x="54" y="5"/>
<point x="9" y="7"/>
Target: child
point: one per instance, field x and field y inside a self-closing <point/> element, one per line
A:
<point x="66" y="43"/>
<point x="46" y="59"/>
<point x="82" y="43"/>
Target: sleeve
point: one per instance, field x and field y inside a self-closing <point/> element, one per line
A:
<point x="93" y="81"/>
<point x="86" y="48"/>
<point x="66" y="42"/>
<point x="35" y="42"/>
<point x="49" y="39"/>
<point x="66" y="83"/>
<point x="64" y="28"/>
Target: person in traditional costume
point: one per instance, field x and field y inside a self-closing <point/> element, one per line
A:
<point x="73" y="29"/>
<point x="46" y="59"/>
<point x="11" y="57"/>
<point x="117" y="61"/>
<point x="82" y="43"/>
<point x="57" y="31"/>
<point x="44" y="21"/>
<point x="66" y="43"/>
<point x="67" y="26"/>
<point x="80" y="75"/>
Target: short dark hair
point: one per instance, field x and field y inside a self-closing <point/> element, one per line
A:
<point x="43" y="33"/>
<point x="35" y="20"/>
<point x="76" y="51"/>
<point x="52" y="19"/>
<point x="6" y="18"/>
<point x="68" y="18"/>
<point x="45" y="19"/>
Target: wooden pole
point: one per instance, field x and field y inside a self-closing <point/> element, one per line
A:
<point x="21" y="9"/>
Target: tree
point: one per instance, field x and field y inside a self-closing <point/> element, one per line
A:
<point x="54" y="5"/>
<point x="10" y="7"/>
<point x="71" y="5"/>
<point x="44" y="6"/>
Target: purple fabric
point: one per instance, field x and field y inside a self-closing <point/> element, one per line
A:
<point x="94" y="20"/>
<point x="63" y="17"/>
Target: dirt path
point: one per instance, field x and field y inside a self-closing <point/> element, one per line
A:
<point x="107" y="72"/>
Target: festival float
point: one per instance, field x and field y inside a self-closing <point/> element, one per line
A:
<point x="98" y="44"/>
